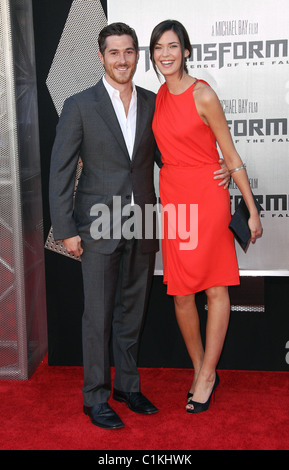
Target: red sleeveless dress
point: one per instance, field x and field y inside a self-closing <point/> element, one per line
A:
<point x="197" y="246"/>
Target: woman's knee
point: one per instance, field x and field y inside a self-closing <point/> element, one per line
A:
<point x="217" y="293"/>
<point x="182" y="301"/>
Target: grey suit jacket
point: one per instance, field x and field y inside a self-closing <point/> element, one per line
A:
<point x="88" y="127"/>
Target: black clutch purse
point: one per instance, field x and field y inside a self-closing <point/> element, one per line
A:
<point x="239" y="223"/>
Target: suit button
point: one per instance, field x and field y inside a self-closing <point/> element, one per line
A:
<point x="131" y="170"/>
<point x="128" y="196"/>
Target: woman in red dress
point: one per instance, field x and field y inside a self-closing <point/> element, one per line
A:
<point x="198" y="247"/>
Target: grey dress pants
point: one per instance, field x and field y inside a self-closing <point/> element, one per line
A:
<point x="116" y="290"/>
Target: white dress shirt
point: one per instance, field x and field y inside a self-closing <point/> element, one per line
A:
<point x="127" y="123"/>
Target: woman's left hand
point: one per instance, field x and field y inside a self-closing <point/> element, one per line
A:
<point x="255" y="227"/>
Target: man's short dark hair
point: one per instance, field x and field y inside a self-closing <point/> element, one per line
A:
<point x="116" y="29"/>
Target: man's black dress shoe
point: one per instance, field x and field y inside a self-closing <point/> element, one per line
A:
<point x="136" y="401"/>
<point x="104" y="416"/>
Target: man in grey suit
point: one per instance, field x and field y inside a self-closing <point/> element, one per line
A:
<point x="110" y="127"/>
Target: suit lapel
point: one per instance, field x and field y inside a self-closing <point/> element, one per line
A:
<point x="105" y="109"/>
<point x="141" y="120"/>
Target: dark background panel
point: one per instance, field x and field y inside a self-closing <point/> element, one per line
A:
<point x="63" y="276"/>
<point x="255" y="340"/>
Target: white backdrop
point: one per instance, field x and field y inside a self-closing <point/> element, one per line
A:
<point x="240" y="48"/>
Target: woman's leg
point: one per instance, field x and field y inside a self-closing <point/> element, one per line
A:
<point x="188" y="321"/>
<point x="217" y="325"/>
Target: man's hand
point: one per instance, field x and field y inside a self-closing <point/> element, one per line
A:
<point x="223" y="174"/>
<point x="73" y="245"/>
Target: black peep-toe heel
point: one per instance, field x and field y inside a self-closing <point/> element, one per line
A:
<point x="200" y="407"/>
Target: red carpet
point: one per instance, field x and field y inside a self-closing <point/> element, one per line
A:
<point x="251" y="412"/>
